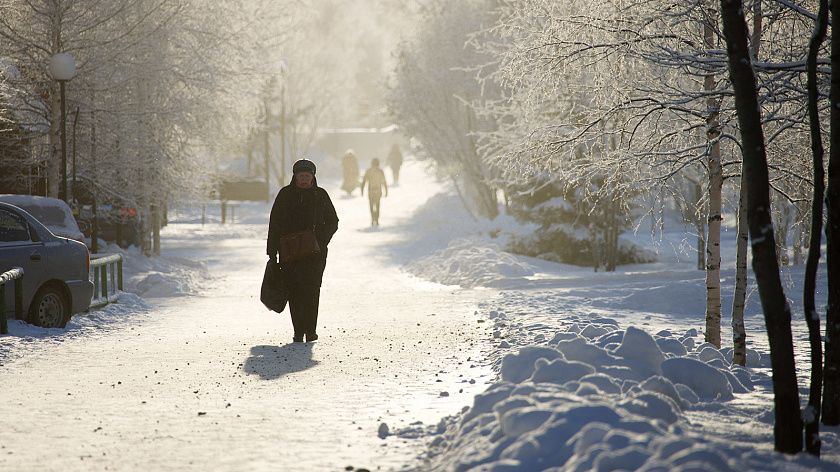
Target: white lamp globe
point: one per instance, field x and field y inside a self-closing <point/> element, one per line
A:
<point x="62" y="66"/>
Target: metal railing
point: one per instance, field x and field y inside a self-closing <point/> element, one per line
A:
<point x="16" y="274"/>
<point x="105" y="288"/>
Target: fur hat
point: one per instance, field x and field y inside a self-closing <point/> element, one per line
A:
<point x="303" y="165"/>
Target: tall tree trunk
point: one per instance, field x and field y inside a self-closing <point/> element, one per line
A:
<point x="739" y="333"/>
<point x="739" y="298"/>
<point x="156" y="229"/>
<point x="462" y="198"/>
<point x="777" y="314"/>
<point x="782" y="208"/>
<point x="715" y="189"/>
<point x="800" y="246"/>
<point x="831" y="391"/>
<point x="812" y="318"/>
<point x="701" y="228"/>
<point x="54" y="169"/>
<point x="614" y="231"/>
<point x="611" y="233"/>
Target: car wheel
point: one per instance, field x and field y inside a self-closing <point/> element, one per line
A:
<point x="49" y="308"/>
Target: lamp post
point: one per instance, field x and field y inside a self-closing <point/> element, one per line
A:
<point x="73" y="187"/>
<point x="62" y="69"/>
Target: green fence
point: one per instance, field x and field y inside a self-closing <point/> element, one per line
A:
<point x="107" y="279"/>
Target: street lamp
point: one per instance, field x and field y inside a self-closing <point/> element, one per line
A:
<point x="62" y="69"/>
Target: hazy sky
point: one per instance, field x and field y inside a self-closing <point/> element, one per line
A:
<point x="351" y="43"/>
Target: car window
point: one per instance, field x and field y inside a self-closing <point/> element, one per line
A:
<point x="12" y="227"/>
<point x="47" y="215"/>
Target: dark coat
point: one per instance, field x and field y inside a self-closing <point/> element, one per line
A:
<point x="294" y="210"/>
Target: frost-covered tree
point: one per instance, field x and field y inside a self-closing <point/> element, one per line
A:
<point x="433" y="91"/>
<point x="656" y="76"/>
<point x="663" y="119"/>
<point x="336" y="56"/>
<point x="352" y="42"/>
<point x="166" y="97"/>
<point x="30" y="34"/>
<point x="576" y="224"/>
<point x="23" y="126"/>
<point x="160" y="87"/>
<point x="315" y="84"/>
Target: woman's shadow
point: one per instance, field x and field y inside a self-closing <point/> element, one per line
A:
<point x="273" y="362"/>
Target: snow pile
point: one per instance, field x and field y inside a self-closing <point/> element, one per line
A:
<point x="595" y="397"/>
<point x="442" y="218"/>
<point x="157" y="276"/>
<point x="470" y="262"/>
<point x="576" y="391"/>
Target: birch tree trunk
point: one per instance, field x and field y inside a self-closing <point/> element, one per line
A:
<point x="777" y="313"/>
<point x="701" y="227"/>
<point x="739" y="334"/>
<point x="715" y="187"/>
<point x="713" y="304"/>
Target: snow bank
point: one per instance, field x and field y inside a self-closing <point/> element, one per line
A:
<point x="157" y="276"/>
<point x="581" y="404"/>
<point x="470" y="262"/>
<point x="591" y="395"/>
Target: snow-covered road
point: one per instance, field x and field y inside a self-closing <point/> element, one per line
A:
<point x="213" y="382"/>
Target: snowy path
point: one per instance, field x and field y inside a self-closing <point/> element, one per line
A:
<point x="212" y="382"/>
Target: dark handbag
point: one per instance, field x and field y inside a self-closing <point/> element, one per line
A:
<point x="298" y="245"/>
<point x="273" y="293"/>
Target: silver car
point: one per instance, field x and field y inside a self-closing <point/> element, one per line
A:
<point x="56" y="270"/>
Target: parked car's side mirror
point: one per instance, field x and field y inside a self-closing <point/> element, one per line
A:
<point x="83" y="225"/>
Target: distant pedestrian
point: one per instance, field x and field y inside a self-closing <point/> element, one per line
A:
<point x="395" y="160"/>
<point x="350" y="166"/>
<point x="375" y="179"/>
<point x="298" y="207"/>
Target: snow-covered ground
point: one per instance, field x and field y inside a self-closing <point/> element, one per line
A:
<point x="438" y="351"/>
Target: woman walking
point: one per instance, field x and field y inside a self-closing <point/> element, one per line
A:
<point x="300" y="206"/>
